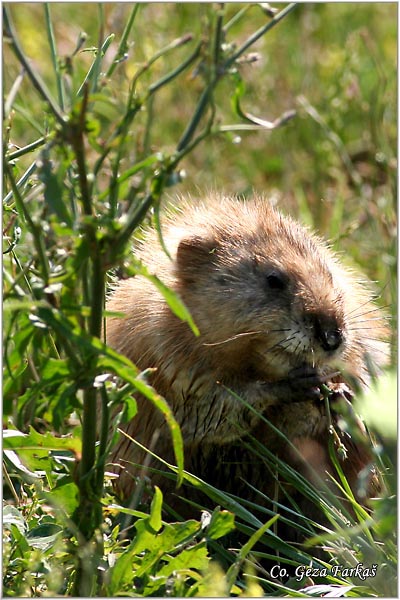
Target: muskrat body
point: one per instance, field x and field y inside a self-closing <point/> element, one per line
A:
<point x="278" y="316"/>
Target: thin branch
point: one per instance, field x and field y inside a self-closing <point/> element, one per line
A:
<point x="195" y="120"/>
<point x="94" y="68"/>
<point x="123" y="45"/>
<point x="26" y="149"/>
<point x="258" y="34"/>
<point x="31" y="169"/>
<point x="172" y="74"/>
<point x="171" y="46"/>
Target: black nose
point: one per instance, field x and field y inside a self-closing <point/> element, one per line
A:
<point x="328" y="334"/>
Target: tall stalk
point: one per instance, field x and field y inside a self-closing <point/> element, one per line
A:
<point x="91" y="472"/>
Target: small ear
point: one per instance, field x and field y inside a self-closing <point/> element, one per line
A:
<point x="193" y="254"/>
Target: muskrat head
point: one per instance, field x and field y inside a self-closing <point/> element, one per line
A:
<point x="264" y="303"/>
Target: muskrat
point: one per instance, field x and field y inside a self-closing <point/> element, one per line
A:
<point x="278" y="315"/>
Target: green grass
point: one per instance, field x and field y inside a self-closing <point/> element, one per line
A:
<point x="92" y="148"/>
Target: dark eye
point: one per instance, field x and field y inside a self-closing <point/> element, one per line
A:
<point x="276" y="281"/>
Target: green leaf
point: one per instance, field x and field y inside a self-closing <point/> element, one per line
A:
<point x="55" y="370"/>
<point x="43" y="536"/>
<point x="118" y="364"/>
<point x="152" y="546"/>
<point x="130" y="408"/>
<point x="16" y="440"/>
<point x="246" y="548"/>
<point x="171" y="297"/>
<point x="54" y="188"/>
<point x="181" y="567"/>
<point x="12" y="516"/>
<point x="64" y="497"/>
<point x="29" y="453"/>
<point x="222" y="522"/>
<point x="195" y="557"/>
<point x="155" y="511"/>
<point x="20" y="467"/>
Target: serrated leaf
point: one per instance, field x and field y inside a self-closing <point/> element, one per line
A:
<point x="184" y="565"/>
<point x="16" y="440"/>
<point x="167" y="541"/>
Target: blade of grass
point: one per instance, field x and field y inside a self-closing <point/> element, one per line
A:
<point x="54" y="56"/>
<point x="123" y="45"/>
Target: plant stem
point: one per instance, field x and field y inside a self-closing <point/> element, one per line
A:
<point x="171" y="46"/>
<point x="237" y="17"/>
<point x="54" y="56"/>
<point x="218" y="37"/>
<point x="90" y="483"/>
<point x="257" y="34"/>
<point x="77" y="142"/>
<point x="22" y="151"/>
<point x="33" y="227"/>
<point x="218" y="71"/>
<point x="123" y="45"/>
<point x="94" y="69"/>
<point x="172" y="74"/>
<point x="200" y="108"/>
<point x="30" y="170"/>
<point x="105" y="417"/>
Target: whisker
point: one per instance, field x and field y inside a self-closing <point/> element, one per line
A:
<point x="375" y="349"/>
<point x="361" y="328"/>
<point x="244" y="334"/>
<point x="233" y="338"/>
<point x="376" y="309"/>
<point x="281" y="342"/>
<point x="367" y="302"/>
<point x="381" y="318"/>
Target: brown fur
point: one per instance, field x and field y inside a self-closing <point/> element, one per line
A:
<point x="278" y="316"/>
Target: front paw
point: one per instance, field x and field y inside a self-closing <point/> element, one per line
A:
<point x="302" y="384"/>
